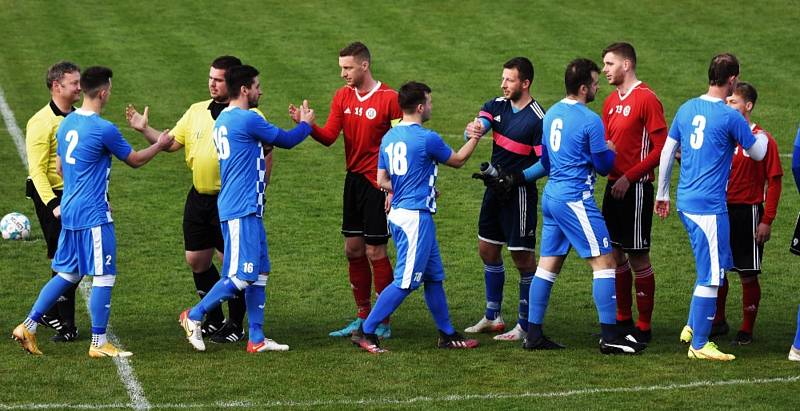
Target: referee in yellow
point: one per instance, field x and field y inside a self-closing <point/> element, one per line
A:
<point x="45" y="186"/>
<point x="201" y="229"/>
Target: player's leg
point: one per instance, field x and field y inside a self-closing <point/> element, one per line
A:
<point x="256" y="297"/>
<point x="491" y="239"/>
<point x="794" y="352"/>
<point x="232" y="330"/>
<point x="747" y="257"/>
<point x="376" y="236"/>
<point x="645" y="283"/>
<point x="618" y="217"/>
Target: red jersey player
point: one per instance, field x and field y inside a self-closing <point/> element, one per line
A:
<point x="634" y="122"/>
<point x="363" y="110"/>
<point x="750" y="217"/>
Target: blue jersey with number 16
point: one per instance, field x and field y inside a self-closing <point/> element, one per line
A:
<point x="707" y="131"/>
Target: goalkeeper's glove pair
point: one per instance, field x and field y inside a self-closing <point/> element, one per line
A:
<point x="503" y="182"/>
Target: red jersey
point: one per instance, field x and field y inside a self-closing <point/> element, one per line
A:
<point x="635" y="123"/>
<point x="748" y="177"/>
<point x="364" y="120"/>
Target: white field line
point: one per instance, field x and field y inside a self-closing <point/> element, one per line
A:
<point x="124" y="369"/>
<point x="423" y="399"/>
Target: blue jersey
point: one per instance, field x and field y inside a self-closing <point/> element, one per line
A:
<point x="237" y="136"/>
<point x="707" y="131"/>
<point x="410" y="154"/>
<point x="517" y="135"/>
<point x="572" y="133"/>
<point x="86" y="142"/>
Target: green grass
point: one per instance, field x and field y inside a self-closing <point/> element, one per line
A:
<point x="160" y="53"/>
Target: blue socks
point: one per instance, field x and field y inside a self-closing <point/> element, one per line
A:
<point x="255" y="297"/>
<point x="703" y="309"/>
<point x="494" y="277"/>
<point x="100" y="308"/>
<point x="48" y="296"/>
<point x="437" y="304"/>
<point x="223" y="290"/>
<point x="603" y="291"/>
<point x="525" y="281"/>
<point x="539" y="297"/>
<point x="391" y="297"/>
<point x="797" y="334"/>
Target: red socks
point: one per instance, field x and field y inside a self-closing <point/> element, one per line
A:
<point x="361" y="283"/>
<point x="751" y="297"/>
<point x="383" y="276"/>
<point x="623" y="283"/>
<point x="645" y="294"/>
<point x="722" y="297"/>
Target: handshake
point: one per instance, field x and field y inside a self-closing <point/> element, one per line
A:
<point x="500" y="182"/>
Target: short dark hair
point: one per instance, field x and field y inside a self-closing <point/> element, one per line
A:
<point x="747" y="91"/>
<point x="411" y="95"/>
<point x="622" y="49"/>
<point x="225" y="62"/>
<point x="722" y="67"/>
<point x="238" y="76"/>
<point x="523" y="66"/>
<point x="579" y="73"/>
<point x="94" y="79"/>
<point x="56" y="72"/>
<point x="356" y="49"/>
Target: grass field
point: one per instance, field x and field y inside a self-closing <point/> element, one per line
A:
<point x="160" y="52"/>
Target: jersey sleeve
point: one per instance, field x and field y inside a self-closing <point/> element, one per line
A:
<point x="115" y="143"/>
<point x="774" y="172"/>
<point x="436" y="148"/>
<point x="487" y="112"/>
<point x="740" y="130"/>
<point x="37" y="147"/>
<point x="395" y="113"/>
<point x="656" y="126"/>
<point x="675" y="129"/>
<point x="596" y="135"/>
<point x="773" y="159"/>
<point x="263" y="130"/>
<point x="383" y="162"/>
<point x="182" y="129"/>
<point x="328" y="133"/>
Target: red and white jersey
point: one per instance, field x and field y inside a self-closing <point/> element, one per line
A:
<point x="635" y="122"/>
<point x="364" y="119"/>
<point x="748" y="177"/>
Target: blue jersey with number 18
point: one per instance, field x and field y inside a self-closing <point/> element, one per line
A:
<point x="707" y="131"/>
<point x="410" y="154"/>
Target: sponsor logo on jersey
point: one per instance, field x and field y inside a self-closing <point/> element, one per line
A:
<point x="347" y="110"/>
<point x="371" y="113"/>
<point x="497" y="118"/>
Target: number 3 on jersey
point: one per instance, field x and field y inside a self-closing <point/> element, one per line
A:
<point x="221" y="142"/>
<point x="398" y="164"/>
<point x="696" y="139"/>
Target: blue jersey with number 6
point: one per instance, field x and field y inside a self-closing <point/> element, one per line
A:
<point x="707" y="131"/>
<point x="410" y="154"/>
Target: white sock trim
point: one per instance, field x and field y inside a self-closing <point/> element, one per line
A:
<point x="240" y="284"/>
<point x="607" y="273"/>
<point x="262" y="280"/>
<point x="706" y="291"/>
<point x="545" y="275"/>
<point x="105" y="280"/>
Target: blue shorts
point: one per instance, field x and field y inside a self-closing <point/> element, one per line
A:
<point x="246" y="253"/>
<point x="577" y="223"/>
<point x="88" y="251"/>
<point x="418" y="257"/>
<point x="710" y="236"/>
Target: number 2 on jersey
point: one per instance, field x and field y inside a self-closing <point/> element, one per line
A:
<point x="398" y="164"/>
<point x="696" y="139"/>
<point x="221" y="142"/>
<point x="72" y="139"/>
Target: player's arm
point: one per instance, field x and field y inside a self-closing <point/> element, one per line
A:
<point x="756" y="147"/>
<point x="459" y="158"/>
<point x="384" y="181"/>
<point x="278" y="137"/>
<point x="328" y="133"/>
<point x="796" y="161"/>
<point x="671" y="145"/>
<point x="602" y="152"/>
<point x="140" y="123"/>
<point x="139" y="158"/>
<point x="37" y="147"/>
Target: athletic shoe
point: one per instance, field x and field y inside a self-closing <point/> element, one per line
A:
<point x="367" y="342"/>
<point x="193" y="331"/>
<point x="516" y="334"/>
<point x="210" y="328"/>
<point x="229" y="333"/>
<point x="541" y="343"/>
<point x="710" y="351"/>
<point x="266" y="345"/>
<point x="348" y="330"/>
<point x="383" y="331"/>
<point x="455" y="341"/>
<point x="621" y="345"/>
<point x="107" y="350"/>
<point x="67" y="334"/>
<point x="686" y="334"/>
<point x="26" y="339"/>
<point x="641" y="336"/>
<point x="742" y="338"/>
<point x="51" y="322"/>
<point x="794" y="354"/>
<point x="486" y="325"/>
<point x="719" y="329"/>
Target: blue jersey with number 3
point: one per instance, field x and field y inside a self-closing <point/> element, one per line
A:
<point x="410" y="154"/>
<point x="707" y="131"/>
<point x="86" y="142"/>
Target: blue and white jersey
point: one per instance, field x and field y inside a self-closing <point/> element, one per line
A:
<point x="237" y="136"/>
<point x="86" y="142"/>
<point x="707" y="131"/>
<point x="410" y="154"/>
<point x="517" y="135"/>
<point x="572" y="133"/>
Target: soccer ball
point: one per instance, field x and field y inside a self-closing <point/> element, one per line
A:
<point x="15" y="226"/>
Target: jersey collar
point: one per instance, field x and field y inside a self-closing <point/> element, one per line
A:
<point x="706" y="97"/>
<point x="630" y="90"/>
<point x="83" y="112"/>
<point x="569" y="101"/>
<point x="368" y="95"/>
<point x="57" y="111"/>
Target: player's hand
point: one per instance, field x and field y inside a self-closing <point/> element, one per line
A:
<point x="306" y="114"/>
<point x="662" y="208"/>
<point x="137" y="121"/>
<point x="294" y="113"/>
<point x="619" y="188"/>
<point x="57" y="211"/>
<point x="387" y="204"/>
<point x="474" y="129"/>
<point x="165" y="140"/>
<point x="611" y="146"/>
<point x="763" y="233"/>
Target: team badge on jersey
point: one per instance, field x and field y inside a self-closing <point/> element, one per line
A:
<point x="371" y="113"/>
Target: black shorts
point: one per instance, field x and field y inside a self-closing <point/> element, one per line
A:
<point x="363" y="210"/>
<point x="747" y="254"/>
<point x="510" y="220"/>
<point x="629" y="220"/>
<point x="201" y="229"/>
<point x="51" y="226"/>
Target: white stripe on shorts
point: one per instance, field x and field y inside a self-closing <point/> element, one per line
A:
<point x="408" y="221"/>
<point x="522" y="197"/>
<point x="233" y="233"/>
<point x="97" y="250"/>
<point x="756" y="257"/>
<point x="580" y="212"/>
<point x="708" y="223"/>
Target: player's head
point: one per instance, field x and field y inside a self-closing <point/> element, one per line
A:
<point x="517" y="78"/>
<point x="243" y="81"/>
<point x="580" y="78"/>
<point x="724" y="71"/>
<point x="415" y="98"/>
<point x="96" y="83"/>
<point x="216" y="77"/>
<point x="64" y="81"/>
<point x="354" y="60"/>
<point x="743" y="98"/>
<point x="619" y="59"/>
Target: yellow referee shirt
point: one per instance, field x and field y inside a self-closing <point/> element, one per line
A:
<point x="40" y="145"/>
